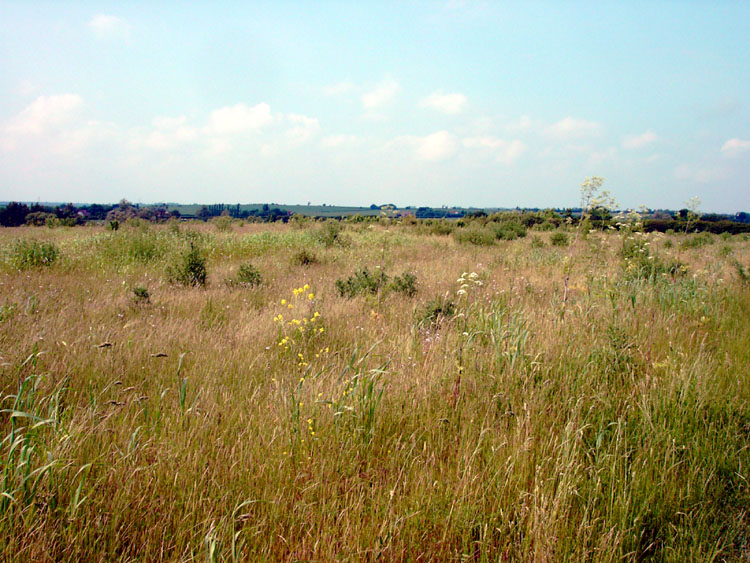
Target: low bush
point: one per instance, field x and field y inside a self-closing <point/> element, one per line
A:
<point x="537" y="242"/>
<point x="474" y="235"/>
<point x="189" y="268"/>
<point x="26" y="254"/>
<point x="559" y="239"/>
<point x="510" y="230"/>
<point x="331" y="234"/>
<point x="141" y="295"/>
<point x="247" y="276"/>
<point x="362" y="282"/>
<point x="436" y="310"/>
<point x="304" y="257"/>
<point x="406" y="283"/>
<point x="698" y="240"/>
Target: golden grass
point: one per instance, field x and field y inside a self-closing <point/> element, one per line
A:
<point x="180" y="430"/>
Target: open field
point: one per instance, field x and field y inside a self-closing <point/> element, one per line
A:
<point x="579" y="402"/>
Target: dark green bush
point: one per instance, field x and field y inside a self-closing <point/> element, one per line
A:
<point x="26" y="254"/>
<point x="559" y="239"/>
<point x="510" y="230"/>
<point x="435" y="310"/>
<point x="406" y="283"/>
<point x="698" y="240"/>
<point x="247" y="276"/>
<point x="331" y="234"/>
<point x="304" y="257"/>
<point x="141" y="295"/>
<point x="189" y="269"/>
<point x="475" y="235"/>
<point x="362" y="282"/>
<point x="441" y="227"/>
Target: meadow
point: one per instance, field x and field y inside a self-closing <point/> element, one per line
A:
<point x="376" y="391"/>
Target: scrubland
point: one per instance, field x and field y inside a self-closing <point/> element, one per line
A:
<point x="586" y="400"/>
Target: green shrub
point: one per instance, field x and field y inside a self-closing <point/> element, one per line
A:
<point x="304" y="257"/>
<point x="331" y="234"/>
<point x="559" y="239"/>
<point x="361" y="283"/>
<point x="113" y="225"/>
<point x="435" y="310"/>
<point x="222" y="223"/>
<point x="725" y="251"/>
<point x="141" y="295"/>
<point x="537" y="242"/>
<point x="247" y="276"/>
<point x="406" y="283"/>
<point x="441" y="227"/>
<point x="668" y="244"/>
<point x="545" y="226"/>
<point x="742" y="273"/>
<point x="510" y="230"/>
<point x="475" y="235"/>
<point x="189" y="269"/>
<point x="698" y="240"/>
<point x="26" y="254"/>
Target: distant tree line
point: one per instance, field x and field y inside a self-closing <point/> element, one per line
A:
<point x="14" y="214"/>
<point x="264" y="213"/>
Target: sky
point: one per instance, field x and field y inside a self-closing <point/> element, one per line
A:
<point x="458" y="103"/>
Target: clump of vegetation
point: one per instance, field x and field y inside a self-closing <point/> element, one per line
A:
<point x="247" y="276"/>
<point x="479" y="236"/>
<point x="141" y="295"/>
<point x="537" y="242"/>
<point x="25" y="254"/>
<point x="436" y="310"/>
<point x="441" y="227"/>
<point x="223" y="223"/>
<point x="362" y="282"/>
<point x="742" y="273"/>
<point x="406" y="283"/>
<point x="189" y="268"/>
<point x="304" y="257"/>
<point x="332" y="234"/>
<point x="510" y="230"/>
<point x="698" y="240"/>
<point x="559" y="239"/>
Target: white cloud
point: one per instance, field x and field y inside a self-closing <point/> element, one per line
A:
<point x="735" y="146"/>
<point x="450" y="104"/>
<point x="303" y="128"/>
<point x="572" y="128"/>
<point x="597" y="158"/>
<point x="505" y="152"/>
<point x="333" y="141"/>
<point x="633" y="142"/>
<point x="170" y="132"/>
<point x="45" y="113"/>
<point x="339" y="88"/>
<point x="381" y="94"/>
<point x="109" y="27"/>
<point x="239" y="118"/>
<point x="438" y="146"/>
<point x="700" y="174"/>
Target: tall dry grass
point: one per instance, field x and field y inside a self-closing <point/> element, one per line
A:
<point x="607" y="421"/>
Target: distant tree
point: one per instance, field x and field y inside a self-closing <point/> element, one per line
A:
<point x="14" y="214"/>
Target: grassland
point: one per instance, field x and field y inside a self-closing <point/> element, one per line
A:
<point x="566" y="403"/>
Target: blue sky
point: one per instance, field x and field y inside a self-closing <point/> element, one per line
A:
<point x="416" y="103"/>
